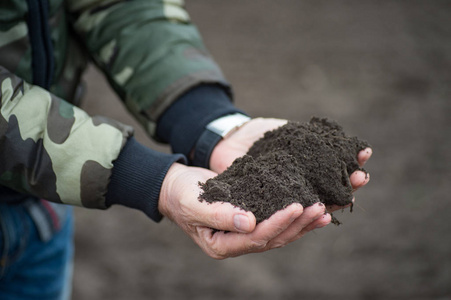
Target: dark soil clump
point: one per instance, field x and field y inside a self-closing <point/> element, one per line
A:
<point x="298" y="162"/>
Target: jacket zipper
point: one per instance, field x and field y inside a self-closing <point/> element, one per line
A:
<point x="41" y="45"/>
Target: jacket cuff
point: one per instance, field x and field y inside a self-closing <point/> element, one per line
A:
<point x="185" y="120"/>
<point x="137" y="176"/>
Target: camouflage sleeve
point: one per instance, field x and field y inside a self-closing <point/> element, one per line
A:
<point x="53" y="150"/>
<point x="149" y="50"/>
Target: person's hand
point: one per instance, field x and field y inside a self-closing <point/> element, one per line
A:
<point x="222" y="230"/>
<point x="238" y="143"/>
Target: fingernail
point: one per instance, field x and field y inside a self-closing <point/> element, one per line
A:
<point x="242" y="223"/>
<point x="368" y="152"/>
<point x="321" y="206"/>
<point x="322" y="224"/>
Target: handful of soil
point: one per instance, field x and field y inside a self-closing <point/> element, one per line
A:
<point x="298" y="162"/>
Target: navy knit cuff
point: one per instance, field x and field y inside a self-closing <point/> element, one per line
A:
<point x="137" y="177"/>
<point x="185" y="120"/>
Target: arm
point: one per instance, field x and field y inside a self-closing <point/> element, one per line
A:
<point x="40" y="141"/>
<point x="55" y="151"/>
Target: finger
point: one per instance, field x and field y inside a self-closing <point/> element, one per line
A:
<point x="359" y="179"/>
<point x="224" y="216"/>
<point x="322" y="221"/>
<point x="221" y="245"/>
<point x="364" y="155"/>
<point x="332" y="208"/>
<point x="308" y="217"/>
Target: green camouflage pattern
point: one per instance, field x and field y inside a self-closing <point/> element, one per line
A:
<point x="67" y="158"/>
<point x="149" y="51"/>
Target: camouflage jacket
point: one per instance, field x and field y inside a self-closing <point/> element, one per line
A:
<point x="149" y="51"/>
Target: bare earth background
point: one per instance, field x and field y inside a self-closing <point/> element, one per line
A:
<point x="380" y="68"/>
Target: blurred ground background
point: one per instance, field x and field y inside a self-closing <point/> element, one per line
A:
<point x="380" y="68"/>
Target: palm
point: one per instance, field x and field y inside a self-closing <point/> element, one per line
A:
<point x="239" y="142"/>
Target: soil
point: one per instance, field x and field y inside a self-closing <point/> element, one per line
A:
<point x="298" y="162"/>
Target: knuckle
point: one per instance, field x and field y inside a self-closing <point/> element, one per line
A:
<point x="277" y="244"/>
<point x="218" y="257"/>
<point x="258" y="244"/>
<point x="216" y="252"/>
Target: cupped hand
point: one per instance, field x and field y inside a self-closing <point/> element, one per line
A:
<point x="222" y="230"/>
<point x="238" y="143"/>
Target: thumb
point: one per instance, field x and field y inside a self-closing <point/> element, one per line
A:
<point x="224" y="216"/>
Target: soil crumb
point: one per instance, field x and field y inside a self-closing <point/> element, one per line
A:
<point x="298" y="162"/>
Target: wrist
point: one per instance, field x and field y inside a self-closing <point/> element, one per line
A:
<point x="137" y="177"/>
<point x="184" y="121"/>
<point x="168" y="188"/>
<point x="214" y="132"/>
